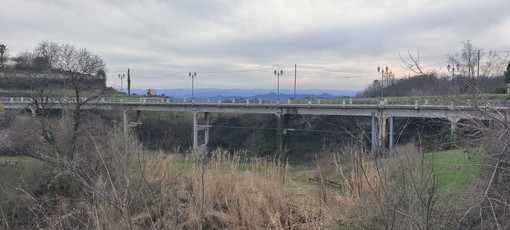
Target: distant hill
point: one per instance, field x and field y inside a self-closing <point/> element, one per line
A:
<point x="214" y="93"/>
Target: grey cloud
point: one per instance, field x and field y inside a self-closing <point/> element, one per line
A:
<point x="176" y="36"/>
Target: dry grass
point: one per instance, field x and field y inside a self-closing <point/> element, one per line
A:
<point x="124" y="187"/>
<point x="129" y="189"/>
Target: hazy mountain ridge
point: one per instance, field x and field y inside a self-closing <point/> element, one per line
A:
<point x="214" y="93"/>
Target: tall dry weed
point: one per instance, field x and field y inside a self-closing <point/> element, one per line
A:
<point x="132" y="189"/>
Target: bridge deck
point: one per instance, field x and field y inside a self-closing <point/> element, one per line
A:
<point x="485" y="110"/>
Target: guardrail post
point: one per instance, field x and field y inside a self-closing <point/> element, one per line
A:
<point x="260" y="101"/>
<point x="318" y="101"/>
<point x="426" y="102"/>
<point x="343" y="103"/>
<point x="208" y="100"/>
<point x="247" y="102"/>
<point x="415" y="104"/>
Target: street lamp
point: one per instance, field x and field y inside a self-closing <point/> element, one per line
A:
<point x="451" y="69"/>
<point x="278" y="74"/>
<point x="382" y="71"/>
<point x="192" y="75"/>
<point x="121" y="77"/>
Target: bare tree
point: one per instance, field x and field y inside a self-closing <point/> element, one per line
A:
<point x="507" y="77"/>
<point x="51" y="64"/>
<point x="492" y="64"/>
<point x="467" y="59"/>
<point x="50" y="52"/>
<point x="413" y="63"/>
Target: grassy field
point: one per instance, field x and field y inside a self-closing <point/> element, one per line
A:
<point x="248" y="186"/>
<point x="455" y="169"/>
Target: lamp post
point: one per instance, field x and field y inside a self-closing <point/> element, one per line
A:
<point x="382" y="71"/>
<point x="192" y="75"/>
<point x="278" y="74"/>
<point x="451" y="69"/>
<point x="121" y="77"/>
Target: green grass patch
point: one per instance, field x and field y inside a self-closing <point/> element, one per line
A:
<point x="455" y="170"/>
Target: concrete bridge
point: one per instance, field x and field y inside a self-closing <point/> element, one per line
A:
<point x="382" y="112"/>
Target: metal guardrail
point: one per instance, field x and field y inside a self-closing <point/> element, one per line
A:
<point x="437" y="102"/>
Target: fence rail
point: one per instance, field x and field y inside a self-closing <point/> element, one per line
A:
<point x="434" y="102"/>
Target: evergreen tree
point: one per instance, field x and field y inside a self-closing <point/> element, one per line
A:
<point x="507" y="73"/>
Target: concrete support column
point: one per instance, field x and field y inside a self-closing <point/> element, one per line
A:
<point x="374" y="136"/>
<point x="125" y="121"/>
<point x="206" y="138"/>
<point x="382" y="131"/>
<point x="392" y="129"/>
<point x="453" y="127"/>
<point x="195" y="129"/>
<point x="279" y="133"/>
<point x="138" y="116"/>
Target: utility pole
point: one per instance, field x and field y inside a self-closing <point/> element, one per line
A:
<point x="129" y="83"/>
<point x="295" y="79"/>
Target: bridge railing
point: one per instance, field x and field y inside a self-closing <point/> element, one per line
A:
<point x="428" y="102"/>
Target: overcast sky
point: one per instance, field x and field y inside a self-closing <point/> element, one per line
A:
<point x="336" y="44"/>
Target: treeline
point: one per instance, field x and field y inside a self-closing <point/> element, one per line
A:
<point x="53" y="65"/>
<point x="21" y="81"/>
<point x="432" y="84"/>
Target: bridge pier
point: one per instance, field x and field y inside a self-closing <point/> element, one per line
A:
<point x="453" y="127"/>
<point x="139" y="116"/>
<point x="382" y="131"/>
<point x="202" y="148"/>
<point x="379" y="137"/>
<point x="279" y="134"/>
<point x="392" y="129"/>
<point x="195" y="129"/>
<point x="374" y="136"/>
<point x="125" y="120"/>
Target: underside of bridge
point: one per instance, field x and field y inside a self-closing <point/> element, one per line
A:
<point x="382" y="131"/>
